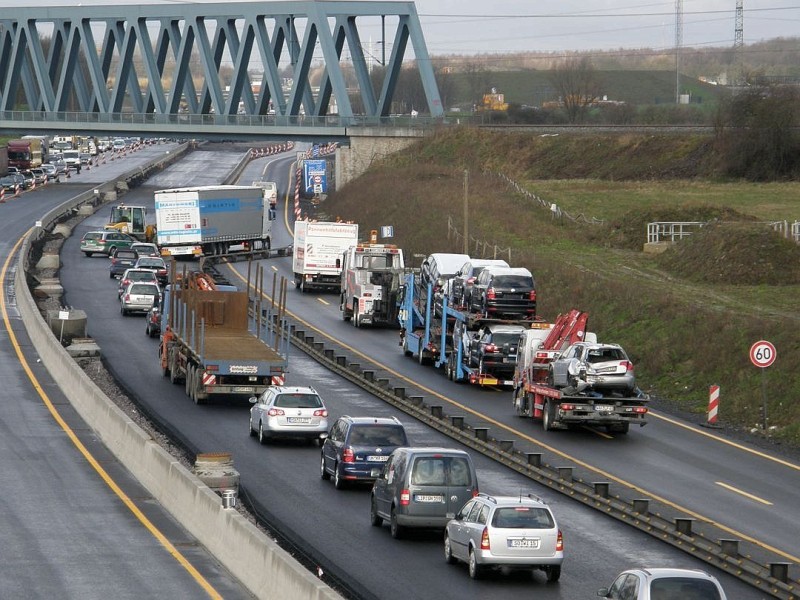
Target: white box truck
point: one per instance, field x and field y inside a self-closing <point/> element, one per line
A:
<point x="318" y="251"/>
<point x="209" y="220"/>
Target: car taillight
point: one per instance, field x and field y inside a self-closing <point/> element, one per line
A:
<point x="274" y="412"/>
<point x="127" y="297"/>
<point x="532" y="295"/>
<point x="113" y="261"/>
<point x="485" y="539"/>
<point x="348" y="455"/>
<point x="475" y="491"/>
<point x="321" y="413"/>
<point x="559" y="542"/>
<point x="491" y="348"/>
<point x="627" y="364"/>
<point x="490" y="294"/>
<point x="405" y="498"/>
<point x="565" y="406"/>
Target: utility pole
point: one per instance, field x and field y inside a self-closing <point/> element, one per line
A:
<point x="678" y="44"/>
<point x="738" y="42"/>
<point x="466" y="211"/>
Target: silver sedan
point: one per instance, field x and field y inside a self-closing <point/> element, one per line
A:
<point x="138" y="297"/>
<point x="600" y="367"/>
<point x="289" y="412"/>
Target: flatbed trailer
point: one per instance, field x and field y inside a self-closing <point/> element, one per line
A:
<point x="560" y="409"/>
<point x="219" y="342"/>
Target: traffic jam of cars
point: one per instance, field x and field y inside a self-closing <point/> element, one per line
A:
<point x="422" y="487"/>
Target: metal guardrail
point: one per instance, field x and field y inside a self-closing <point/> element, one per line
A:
<point x="707" y="541"/>
<point x="672" y="231"/>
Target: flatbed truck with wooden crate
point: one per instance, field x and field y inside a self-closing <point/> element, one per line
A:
<point x="219" y="342"/>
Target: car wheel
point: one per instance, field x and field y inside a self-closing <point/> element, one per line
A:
<point x="475" y="570"/>
<point x="112" y="250"/>
<point x="338" y="480"/>
<point x="122" y="311"/>
<point x="374" y="518"/>
<point x="262" y="437"/>
<point x="111" y="275"/>
<point x="448" y="551"/>
<point x="553" y="573"/>
<point x="323" y="472"/>
<point x="87" y="253"/>
<point x="147" y="330"/>
<point x="548" y="415"/>
<point x="395" y="528"/>
<point x="250" y="429"/>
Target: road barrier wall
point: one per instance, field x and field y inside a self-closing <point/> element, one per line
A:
<point x="248" y="553"/>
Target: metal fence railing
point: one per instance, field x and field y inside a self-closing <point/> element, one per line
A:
<point x="672" y="231"/>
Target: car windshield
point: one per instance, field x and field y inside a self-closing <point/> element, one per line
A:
<point x="441" y="470"/>
<point x="512" y="281"/>
<point x="604" y="355"/>
<point x="500" y="339"/>
<point x="298" y="401"/>
<point x="523" y="517"/>
<point x="141" y="276"/>
<point x="144" y="289"/>
<point x="377" y="435"/>
<point x="684" y="588"/>
<point x="151" y="263"/>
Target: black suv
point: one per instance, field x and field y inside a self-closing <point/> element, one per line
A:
<point x="504" y="293"/>
<point x="493" y="349"/>
<point x="357" y="448"/>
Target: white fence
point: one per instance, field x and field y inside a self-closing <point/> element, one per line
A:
<point x="672" y="231"/>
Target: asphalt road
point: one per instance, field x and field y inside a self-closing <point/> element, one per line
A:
<point x="64" y="532"/>
<point x="282" y="480"/>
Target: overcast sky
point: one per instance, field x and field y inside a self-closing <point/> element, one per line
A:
<point x="487" y="26"/>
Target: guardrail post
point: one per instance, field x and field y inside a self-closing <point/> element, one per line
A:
<point x="564" y="473"/>
<point x="328" y="353"/>
<point x="341" y="361"/>
<point x="354" y="366"/>
<point x="383" y="382"/>
<point x="684" y="525"/>
<point x="729" y="547"/>
<point x="415" y="400"/>
<point x="482" y="433"/>
<point x="309" y="339"/>
<point x="400" y="392"/>
<point x="779" y="571"/>
<point x="641" y="505"/>
<point x="458" y="422"/>
<point x="601" y="488"/>
<point x="506" y="445"/>
<point x="534" y="459"/>
<point x="436" y="412"/>
<point x="369" y="375"/>
<point x="319" y="346"/>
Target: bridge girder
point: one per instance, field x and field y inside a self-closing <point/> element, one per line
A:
<point x="215" y="58"/>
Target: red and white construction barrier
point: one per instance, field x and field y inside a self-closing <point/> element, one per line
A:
<point x="713" y="405"/>
<point x="2" y="195"/>
<point x="297" y="178"/>
<point x="278" y="380"/>
<point x="270" y="150"/>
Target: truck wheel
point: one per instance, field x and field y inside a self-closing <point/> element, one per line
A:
<point x="173" y="376"/>
<point x="621" y="428"/>
<point x="297" y="280"/>
<point x="189" y="380"/>
<point x="356" y="316"/>
<point x="448" y="368"/>
<point x="548" y="415"/>
<point x="406" y="351"/>
<point x="197" y="382"/>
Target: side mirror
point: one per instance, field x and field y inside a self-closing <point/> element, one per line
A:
<point x="603" y="592"/>
<point x="253" y="399"/>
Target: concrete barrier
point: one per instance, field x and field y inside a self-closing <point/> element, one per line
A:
<point x="249" y="554"/>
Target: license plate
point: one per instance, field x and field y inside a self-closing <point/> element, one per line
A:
<point x="244" y="389"/>
<point x="378" y="458"/>
<point x="523" y="543"/>
<point x="427" y="498"/>
<point x="298" y="420"/>
<point x="604" y="408"/>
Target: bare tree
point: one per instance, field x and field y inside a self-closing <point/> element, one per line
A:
<point x="576" y="82"/>
<point x="477" y="81"/>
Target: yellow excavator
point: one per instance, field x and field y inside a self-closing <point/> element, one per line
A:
<point x="131" y="220"/>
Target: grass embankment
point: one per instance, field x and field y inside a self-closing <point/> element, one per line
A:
<point x="687" y="317"/>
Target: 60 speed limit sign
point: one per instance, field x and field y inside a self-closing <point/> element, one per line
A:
<point x="762" y="353"/>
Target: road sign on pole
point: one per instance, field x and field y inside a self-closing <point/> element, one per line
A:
<point x="762" y="354"/>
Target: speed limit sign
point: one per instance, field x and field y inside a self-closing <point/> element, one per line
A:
<point x="762" y="353"/>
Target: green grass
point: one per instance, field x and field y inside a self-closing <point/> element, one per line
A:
<point x="687" y="317"/>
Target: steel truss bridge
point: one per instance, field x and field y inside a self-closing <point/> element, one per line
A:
<point x="218" y="69"/>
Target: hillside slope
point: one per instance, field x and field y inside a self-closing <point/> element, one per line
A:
<point x="687" y="317"/>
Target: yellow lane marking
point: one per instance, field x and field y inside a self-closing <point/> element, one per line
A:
<point x="763" y="455"/>
<point x="743" y="493"/>
<point x="532" y="440"/>
<point x="155" y="532"/>
<point x="325" y="302"/>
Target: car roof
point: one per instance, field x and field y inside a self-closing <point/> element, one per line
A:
<point x="449" y="263"/>
<point x="292" y="389"/>
<point x="373" y="420"/>
<point x="528" y="500"/>
<point x="509" y="271"/>
<point x="659" y="572"/>
<point x="135" y="270"/>
<point x="505" y="328"/>
<point x="488" y="262"/>
<point x="435" y="450"/>
<point x="596" y="345"/>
